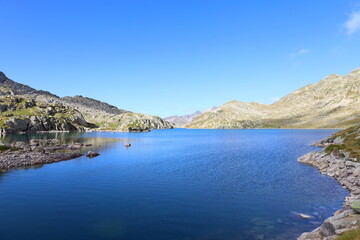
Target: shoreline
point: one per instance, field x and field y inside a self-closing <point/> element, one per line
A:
<point x="39" y="152"/>
<point x="347" y="174"/>
<point x="25" y="159"/>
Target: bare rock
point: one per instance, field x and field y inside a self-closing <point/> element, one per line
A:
<point x="91" y="154"/>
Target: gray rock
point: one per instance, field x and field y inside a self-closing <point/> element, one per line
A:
<point x="91" y="154"/>
<point x="3" y="108"/>
<point x="338" y="140"/>
<point x="74" y="147"/>
<point x="20" y="144"/>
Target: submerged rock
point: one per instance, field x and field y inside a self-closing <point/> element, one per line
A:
<point x="304" y="216"/>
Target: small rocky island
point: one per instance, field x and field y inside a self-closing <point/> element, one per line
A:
<point x="340" y="159"/>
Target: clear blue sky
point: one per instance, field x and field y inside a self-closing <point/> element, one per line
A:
<point x="174" y="57"/>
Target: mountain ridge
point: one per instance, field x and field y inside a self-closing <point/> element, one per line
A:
<point x="333" y="102"/>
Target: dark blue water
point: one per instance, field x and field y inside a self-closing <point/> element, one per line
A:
<point x="171" y="184"/>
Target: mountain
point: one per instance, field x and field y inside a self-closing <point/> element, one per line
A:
<point x="103" y="115"/>
<point x="19" y="114"/>
<point x="333" y="102"/>
<point x="85" y="104"/>
<point x="181" y="121"/>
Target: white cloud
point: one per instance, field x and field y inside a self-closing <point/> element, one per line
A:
<point x="300" y="52"/>
<point x="352" y="25"/>
<point x="303" y="51"/>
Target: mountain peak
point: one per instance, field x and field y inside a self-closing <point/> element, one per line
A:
<point x="2" y="77"/>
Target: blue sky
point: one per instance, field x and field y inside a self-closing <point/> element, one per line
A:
<point x="174" y="57"/>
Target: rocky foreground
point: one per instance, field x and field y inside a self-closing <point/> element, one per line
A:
<point x="338" y="159"/>
<point x="38" y="152"/>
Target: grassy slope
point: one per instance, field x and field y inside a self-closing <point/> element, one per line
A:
<point x="350" y="235"/>
<point x="350" y="145"/>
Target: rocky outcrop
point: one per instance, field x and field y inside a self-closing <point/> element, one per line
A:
<point x="103" y="115"/>
<point x="110" y="118"/>
<point x="91" y="106"/>
<point x="91" y="154"/>
<point x="347" y="173"/>
<point x="24" y="115"/>
<point x="333" y="102"/>
<point x="10" y="87"/>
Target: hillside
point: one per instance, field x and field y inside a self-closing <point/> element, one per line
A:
<point x="10" y="87"/>
<point x="104" y="115"/>
<point x="23" y="115"/>
<point x="344" y="144"/>
<point x="333" y="102"/>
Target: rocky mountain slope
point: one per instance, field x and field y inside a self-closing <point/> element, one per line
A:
<point x="103" y="115"/>
<point x="181" y="121"/>
<point x="109" y="117"/>
<point x="10" y="87"/>
<point x="333" y="102"/>
<point x="24" y="115"/>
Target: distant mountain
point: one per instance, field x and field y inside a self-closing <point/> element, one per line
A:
<point x="104" y="115"/>
<point x="333" y="102"/>
<point x="181" y="121"/>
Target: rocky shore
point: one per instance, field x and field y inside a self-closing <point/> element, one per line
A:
<point x="347" y="172"/>
<point x="38" y="152"/>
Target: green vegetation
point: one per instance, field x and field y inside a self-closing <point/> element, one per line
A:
<point x="55" y="116"/>
<point x="350" y="235"/>
<point x="351" y="143"/>
<point x="4" y="148"/>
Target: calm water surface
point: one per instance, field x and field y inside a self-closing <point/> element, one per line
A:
<point x="171" y="184"/>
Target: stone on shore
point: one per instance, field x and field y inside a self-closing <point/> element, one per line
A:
<point x="347" y="173"/>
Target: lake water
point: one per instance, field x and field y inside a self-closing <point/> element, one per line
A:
<point x="171" y="184"/>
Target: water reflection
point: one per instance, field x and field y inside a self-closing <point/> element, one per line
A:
<point x="171" y="184"/>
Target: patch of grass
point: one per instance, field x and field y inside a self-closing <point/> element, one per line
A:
<point x="4" y="148"/>
<point x="351" y="142"/>
<point x="350" y="235"/>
